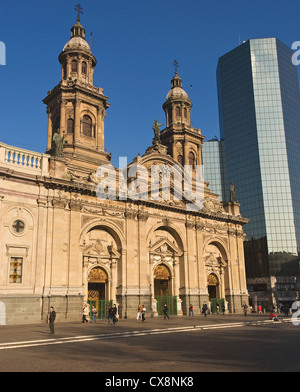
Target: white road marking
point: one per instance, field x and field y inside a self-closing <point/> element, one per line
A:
<point x="87" y="338"/>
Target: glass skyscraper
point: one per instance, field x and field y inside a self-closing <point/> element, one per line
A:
<point x="212" y="157"/>
<point x="259" y="109"/>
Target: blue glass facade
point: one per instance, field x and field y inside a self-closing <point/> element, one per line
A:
<point x="259" y="109"/>
<point x="212" y="158"/>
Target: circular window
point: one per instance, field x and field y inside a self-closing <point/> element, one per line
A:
<point x="18" y="226"/>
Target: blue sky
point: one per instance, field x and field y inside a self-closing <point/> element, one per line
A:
<point x="135" y="43"/>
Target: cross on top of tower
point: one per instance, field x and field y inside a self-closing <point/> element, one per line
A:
<point x="78" y="8"/>
<point x="176" y="65"/>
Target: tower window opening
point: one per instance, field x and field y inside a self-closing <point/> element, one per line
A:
<point x="87" y="126"/>
<point x="84" y="68"/>
<point x="192" y="160"/>
<point x="70" y="125"/>
<point x="74" y="66"/>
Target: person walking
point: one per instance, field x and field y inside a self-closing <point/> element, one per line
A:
<point x="115" y="314"/>
<point x="52" y="317"/>
<point x="166" y="312"/>
<point x="143" y="313"/>
<point x="286" y="310"/>
<point x="86" y="314"/>
<point x="139" y="313"/>
<point x="223" y="308"/>
<point x="94" y="314"/>
<point x="191" y="311"/>
<point x="110" y="315"/>
<point x="259" y="309"/>
<point x="245" y="308"/>
<point x="204" y="309"/>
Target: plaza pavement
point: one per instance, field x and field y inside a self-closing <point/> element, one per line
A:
<point x="30" y="332"/>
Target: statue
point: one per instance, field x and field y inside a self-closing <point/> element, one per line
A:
<point x="232" y="193"/>
<point x="156" y="130"/>
<point x="58" y="143"/>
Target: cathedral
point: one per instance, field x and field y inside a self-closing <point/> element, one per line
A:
<point x="75" y="230"/>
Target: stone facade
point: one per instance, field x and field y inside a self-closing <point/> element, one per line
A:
<point x="61" y="244"/>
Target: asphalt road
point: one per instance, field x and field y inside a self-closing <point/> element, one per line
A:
<point x="179" y="345"/>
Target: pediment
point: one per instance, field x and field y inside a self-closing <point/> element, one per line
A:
<point x="212" y="260"/>
<point x="99" y="248"/>
<point x="165" y="247"/>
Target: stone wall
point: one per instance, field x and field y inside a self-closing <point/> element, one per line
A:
<point x="31" y="309"/>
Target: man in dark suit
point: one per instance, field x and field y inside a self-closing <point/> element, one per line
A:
<point x="52" y="317"/>
<point x="166" y="312"/>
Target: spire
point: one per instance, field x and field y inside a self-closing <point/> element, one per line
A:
<point x="79" y="10"/>
<point x="78" y="30"/>
<point x="176" y="65"/>
<point x="176" y="81"/>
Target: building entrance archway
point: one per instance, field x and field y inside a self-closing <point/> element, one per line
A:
<point x="162" y="281"/>
<point x="97" y="284"/>
<point x="213" y="286"/>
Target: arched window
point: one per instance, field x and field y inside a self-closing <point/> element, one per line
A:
<point x="192" y="160"/>
<point x="74" y="66"/>
<point x="185" y="113"/>
<point x="177" y="111"/>
<point x="87" y="126"/>
<point x="70" y="125"/>
<point x="84" y="68"/>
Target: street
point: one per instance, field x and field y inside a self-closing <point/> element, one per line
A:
<point x="218" y="343"/>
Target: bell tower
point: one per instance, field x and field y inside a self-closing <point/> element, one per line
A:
<point x="76" y="108"/>
<point x="184" y="142"/>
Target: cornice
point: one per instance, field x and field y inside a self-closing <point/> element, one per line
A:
<point x="89" y="189"/>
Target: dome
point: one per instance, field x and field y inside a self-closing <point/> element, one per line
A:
<point x="77" y="42"/>
<point x="177" y="92"/>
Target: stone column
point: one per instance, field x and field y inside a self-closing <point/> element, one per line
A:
<point x="59" y="259"/>
<point x="85" y="277"/>
<point x="222" y="283"/>
<point x="62" y="116"/>
<point x="186" y="153"/>
<point x="201" y="270"/>
<point x="77" y="121"/>
<point x="154" y="301"/>
<point x="176" y="284"/>
<point x="113" y="282"/>
<point x="241" y="265"/>
<point x="41" y="245"/>
<point x="49" y="240"/>
<point x="49" y="135"/>
<point x="74" y="252"/>
<point x="100" y="130"/>
<point x="143" y="257"/>
<point x="132" y="273"/>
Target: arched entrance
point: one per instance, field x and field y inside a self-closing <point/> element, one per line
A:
<point x="162" y="281"/>
<point x="97" y="284"/>
<point x="213" y="286"/>
<point x="102" y="264"/>
<point x="167" y="269"/>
